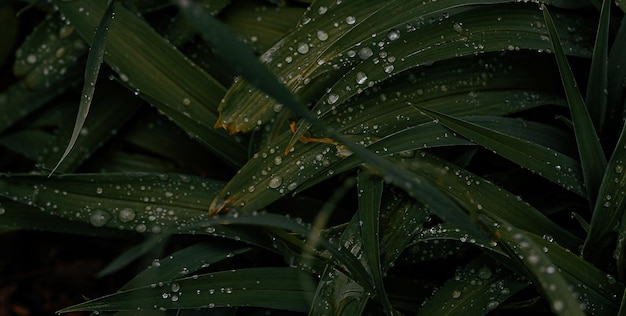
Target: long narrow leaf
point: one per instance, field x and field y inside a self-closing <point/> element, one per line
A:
<point x="592" y="157"/>
<point x="370" y="194"/>
<point x="597" y="85"/>
<point x="542" y="271"/>
<point x="556" y="167"/>
<point x="279" y="288"/>
<point x="609" y="209"/>
<point x="94" y="60"/>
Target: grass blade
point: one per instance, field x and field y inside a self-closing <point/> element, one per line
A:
<point x="132" y="254"/>
<point x="94" y="60"/>
<point x="592" y="158"/>
<point x="279" y="288"/>
<point x="185" y="262"/>
<point x="370" y="193"/>
<point x="597" y="85"/>
<point x="609" y="209"/>
<point x="476" y="289"/>
<point x="552" y="165"/>
<point x="542" y="271"/>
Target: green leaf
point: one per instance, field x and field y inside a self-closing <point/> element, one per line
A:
<point x="280" y="288"/>
<point x="608" y="209"/>
<point x="592" y="157"/>
<point x="94" y="60"/>
<point x="185" y="262"/>
<point x="421" y="33"/>
<point x="546" y="162"/>
<point x="476" y="289"/>
<point x="154" y="203"/>
<point x="597" y="85"/>
<point x="111" y="108"/>
<point x="51" y="54"/>
<point x="159" y="73"/>
<point x="484" y="198"/>
<point x="542" y="271"/>
<point x="132" y="254"/>
<point x="370" y="193"/>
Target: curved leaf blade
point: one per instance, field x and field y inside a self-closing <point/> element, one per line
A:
<point x="94" y="60"/>
<point x="556" y="167"/>
<point x="592" y="158"/>
<point x="280" y="288"/>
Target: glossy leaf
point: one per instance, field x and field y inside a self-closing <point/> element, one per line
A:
<point x="597" y="85"/>
<point x="94" y="60"/>
<point x="156" y="203"/>
<point x="608" y="209"/>
<point x="159" y="73"/>
<point x="546" y="162"/>
<point x="370" y="193"/>
<point x="542" y="271"/>
<point x="264" y="287"/>
<point x="592" y="157"/>
<point x="476" y="289"/>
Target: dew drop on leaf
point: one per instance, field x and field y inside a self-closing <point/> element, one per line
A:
<point x="361" y="77"/>
<point x="303" y="48"/>
<point x="126" y="215"/>
<point x="322" y="35"/>
<point x="350" y="20"/>
<point x="365" y="53"/>
<point x="99" y="218"/>
<point x="275" y="182"/>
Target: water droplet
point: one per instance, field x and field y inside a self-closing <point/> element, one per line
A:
<point x="292" y="186"/>
<point x="350" y="20"/>
<point x="277" y="107"/>
<point x="393" y="35"/>
<point x="2" y="210"/>
<point x="458" y="27"/>
<point x="456" y="294"/>
<point x="31" y="59"/>
<point x="126" y="215"/>
<point x="492" y="305"/>
<point x="65" y="31"/>
<point x="389" y="69"/>
<point x="558" y="305"/>
<point x="322" y="36"/>
<point x="548" y="238"/>
<point x="141" y="228"/>
<point x="278" y="160"/>
<point x="175" y="287"/>
<point x="322" y="10"/>
<point x="99" y="218"/>
<point x="186" y="101"/>
<point x="303" y="48"/>
<point x="619" y="169"/>
<point x="365" y="53"/>
<point x="361" y="77"/>
<point x="332" y="98"/>
<point x="98" y="190"/>
<point x="251" y="189"/>
<point x="275" y="182"/>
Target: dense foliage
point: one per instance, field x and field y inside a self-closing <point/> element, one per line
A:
<point x="333" y="157"/>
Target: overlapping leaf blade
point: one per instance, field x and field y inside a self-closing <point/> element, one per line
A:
<point x="608" y="209"/>
<point x="156" y="70"/>
<point x="556" y="167"/>
<point x="263" y="287"/>
<point x="476" y="289"/>
<point x="94" y="60"/>
<point x="342" y="53"/>
<point x="592" y="157"/>
<point x="157" y="203"/>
